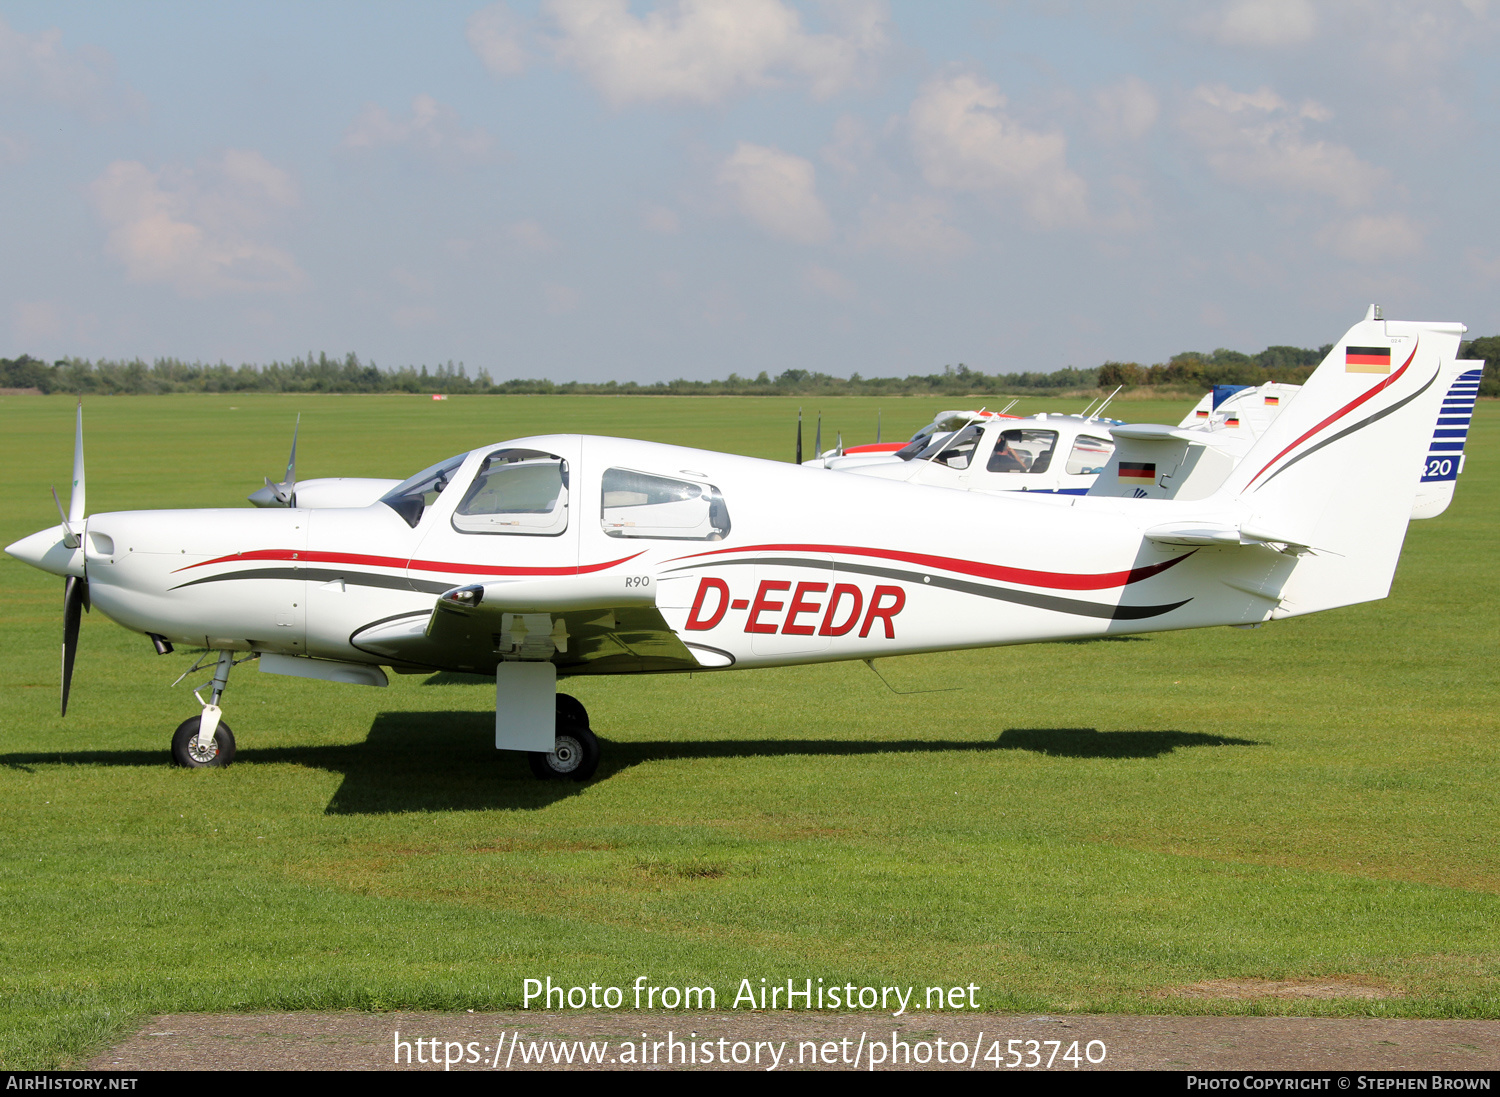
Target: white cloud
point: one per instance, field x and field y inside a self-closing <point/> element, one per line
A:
<point x="494" y="34"/>
<point x="829" y="283"/>
<point x="1373" y="237"/>
<point x="432" y="129"/>
<point x="1126" y="109"/>
<point x="778" y="191"/>
<point x="195" y="229"/>
<point x="850" y="147"/>
<point x="36" y="66"/>
<point x="917" y="227"/>
<point x="964" y="140"/>
<point x="1258" y="138"/>
<point x="701" y="51"/>
<point x="1262" y="23"/>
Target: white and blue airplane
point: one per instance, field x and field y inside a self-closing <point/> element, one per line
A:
<point x="547" y="557"/>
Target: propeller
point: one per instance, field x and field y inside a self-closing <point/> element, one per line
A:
<point x="839" y="447"/>
<point x="75" y="597"/>
<point x="799" y="436"/>
<point x="283" y="494"/>
<point x="75" y="589"/>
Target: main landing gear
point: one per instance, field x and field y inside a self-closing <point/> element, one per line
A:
<point x="576" y="754"/>
<point x="205" y="740"/>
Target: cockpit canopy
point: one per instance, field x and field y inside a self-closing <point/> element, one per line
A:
<point x="514" y="491"/>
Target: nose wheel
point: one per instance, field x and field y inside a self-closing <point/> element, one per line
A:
<point x="575" y="756"/>
<point x="189" y="750"/>
<point x="205" y="740"/>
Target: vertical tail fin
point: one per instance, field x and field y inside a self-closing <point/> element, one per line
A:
<point x="1336" y="472"/>
<point x="1444" y="459"/>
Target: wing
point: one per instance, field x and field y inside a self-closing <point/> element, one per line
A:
<point x="582" y="624"/>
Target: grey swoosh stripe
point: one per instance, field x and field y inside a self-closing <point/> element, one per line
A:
<point x="319" y="575"/>
<point x="1349" y="430"/>
<point x="1051" y="602"/>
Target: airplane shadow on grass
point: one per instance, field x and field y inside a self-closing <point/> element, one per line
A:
<point x="446" y="761"/>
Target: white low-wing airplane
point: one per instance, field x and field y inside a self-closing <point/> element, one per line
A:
<point x="564" y="554"/>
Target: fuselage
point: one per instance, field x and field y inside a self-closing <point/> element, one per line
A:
<point x="798" y="566"/>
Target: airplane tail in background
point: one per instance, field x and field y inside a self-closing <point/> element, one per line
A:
<point x="1335" y="475"/>
<point x="1444" y="459"/>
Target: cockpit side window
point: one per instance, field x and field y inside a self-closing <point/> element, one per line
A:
<point x="643" y="504"/>
<point x="1089" y="455"/>
<point x="1021" y="450"/>
<point x="411" y="497"/>
<point x="516" y="491"/>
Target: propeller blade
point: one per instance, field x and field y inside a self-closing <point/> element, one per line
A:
<point x="818" y="438"/>
<point x="839" y="446"/>
<point x="291" y="466"/>
<point x="285" y="493"/>
<point x="69" y="537"/>
<point x="75" y="594"/>
<point x="76" y="500"/>
<point x="799" y="436"/>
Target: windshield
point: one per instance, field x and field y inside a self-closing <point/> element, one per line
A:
<point x="411" y="497"/>
<point x="955" y="450"/>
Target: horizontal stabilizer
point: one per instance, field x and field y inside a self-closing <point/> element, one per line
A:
<point x="1157" y="432"/>
<point x="1209" y="534"/>
<point x="1194" y="533"/>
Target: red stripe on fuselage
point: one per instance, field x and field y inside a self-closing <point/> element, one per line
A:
<point x="1343" y="411"/>
<point x="303" y="556"/>
<point x="1052" y="579"/>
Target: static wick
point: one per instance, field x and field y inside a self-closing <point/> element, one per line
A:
<point x="905" y="692"/>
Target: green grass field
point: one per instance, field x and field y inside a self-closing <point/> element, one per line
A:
<point x="1076" y="826"/>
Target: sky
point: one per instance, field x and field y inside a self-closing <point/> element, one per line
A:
<point x="600" y="189"/>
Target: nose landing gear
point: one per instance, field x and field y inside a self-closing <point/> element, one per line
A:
<point x="205" y="740"/>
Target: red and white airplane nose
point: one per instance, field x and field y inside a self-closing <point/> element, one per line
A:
<point x="48" y="550"/>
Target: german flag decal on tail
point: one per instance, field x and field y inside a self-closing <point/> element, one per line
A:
<point x="1138" y="471"/>
<point x="1367" y="359"/>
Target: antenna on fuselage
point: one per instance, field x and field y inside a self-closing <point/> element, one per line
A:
<point x="1107" y="399"/>
<point x="799" y="436"/>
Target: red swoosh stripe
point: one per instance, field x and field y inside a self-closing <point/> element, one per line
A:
<point x="1343" y="411"/>
<point x="302" y="556"/>
<point x="1051" y="579"/>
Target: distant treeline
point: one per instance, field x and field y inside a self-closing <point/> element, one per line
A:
<point x="1189" y="370"/>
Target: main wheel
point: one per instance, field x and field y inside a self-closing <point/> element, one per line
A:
<point x="571" y="709"/>
<point x="574" y="758"/>
<point x="188" y="752"/>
